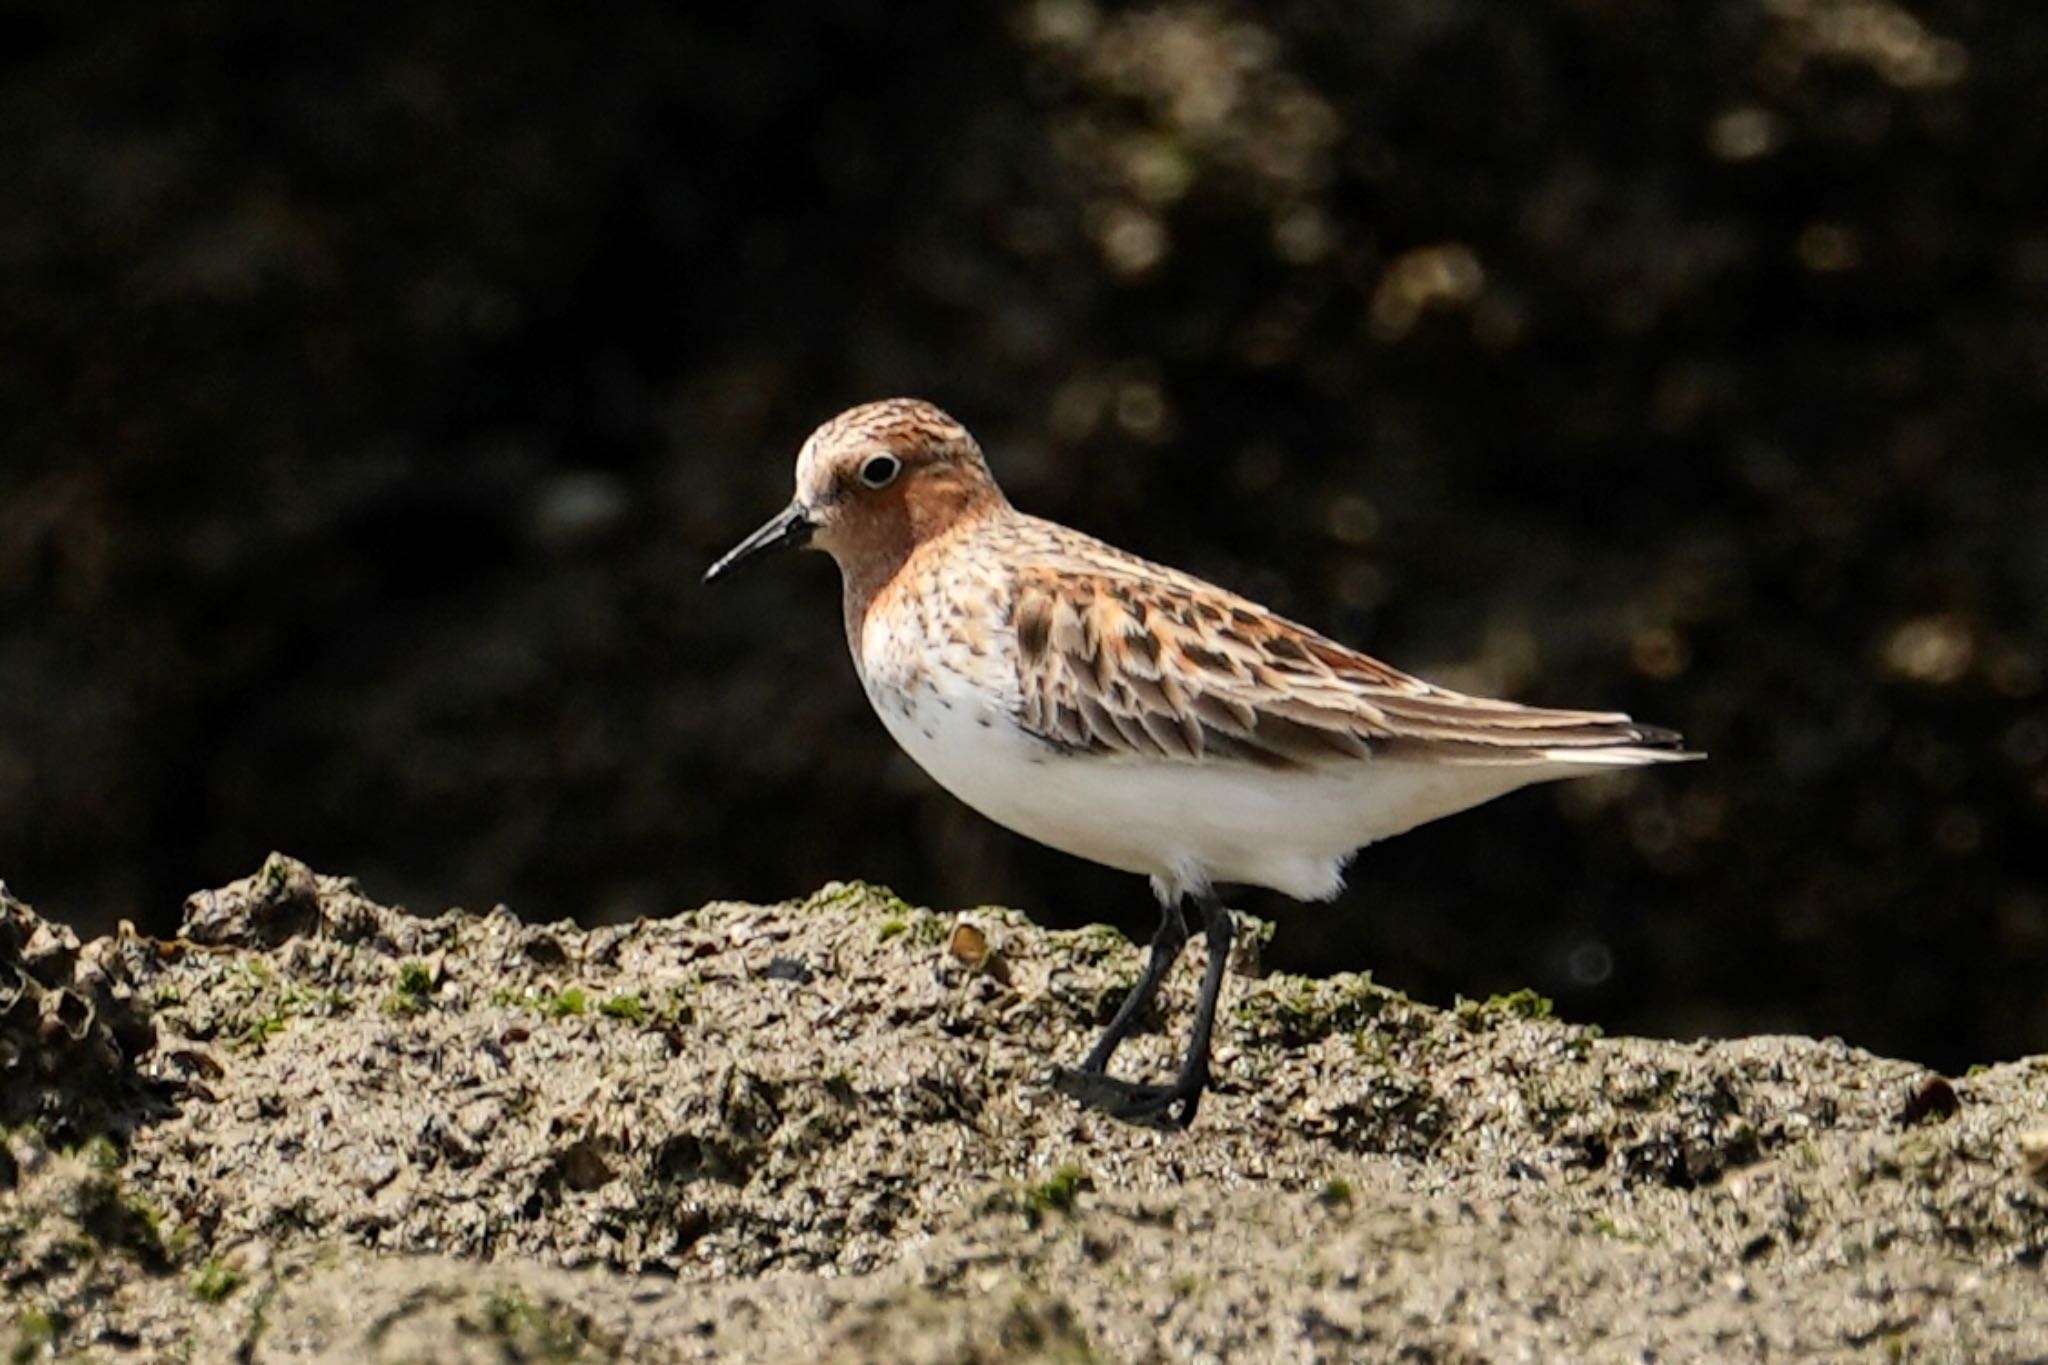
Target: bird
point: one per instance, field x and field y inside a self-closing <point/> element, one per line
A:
<point x="1137" y="716"/>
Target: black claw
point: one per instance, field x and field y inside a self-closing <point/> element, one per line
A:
<point x="1161" y="1106"/>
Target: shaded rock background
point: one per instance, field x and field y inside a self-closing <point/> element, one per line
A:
<point x="375" y="385"/>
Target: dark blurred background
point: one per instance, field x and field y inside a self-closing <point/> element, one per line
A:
<point x="378" y="379"/>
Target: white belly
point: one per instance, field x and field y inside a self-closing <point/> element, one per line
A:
<point x="1184" y="824"/>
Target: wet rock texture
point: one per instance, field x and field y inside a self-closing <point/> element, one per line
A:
<point x="824" y="1130"/>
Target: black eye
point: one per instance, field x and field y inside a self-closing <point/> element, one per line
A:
<point x="879" y="470"/>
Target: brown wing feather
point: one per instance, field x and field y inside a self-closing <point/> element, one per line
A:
<point x="1148" y="663"/>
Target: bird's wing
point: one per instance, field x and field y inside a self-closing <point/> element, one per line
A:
<point x="1142" y="662"/>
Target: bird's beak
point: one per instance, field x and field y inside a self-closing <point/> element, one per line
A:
<point x="792" y="526"/>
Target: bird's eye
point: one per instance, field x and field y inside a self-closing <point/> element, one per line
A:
<point x="879" y="470"/>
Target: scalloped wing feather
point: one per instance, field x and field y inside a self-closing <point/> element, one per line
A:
<point x="1143" y="662"/>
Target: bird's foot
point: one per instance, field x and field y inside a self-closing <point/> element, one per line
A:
<point x="1159" y="1106"/>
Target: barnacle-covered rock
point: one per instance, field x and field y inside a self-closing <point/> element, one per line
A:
<point x="71" y="1025"/>
<point x="284" y="899"/>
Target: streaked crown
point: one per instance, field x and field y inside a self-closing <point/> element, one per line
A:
<point x="917" y="434"/>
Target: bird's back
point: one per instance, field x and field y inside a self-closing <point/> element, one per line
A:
<point x="1116" y="655"/>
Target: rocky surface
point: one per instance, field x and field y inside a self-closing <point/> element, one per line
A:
<point x="825" y="1130"/>
<point x="70" y="1025"/>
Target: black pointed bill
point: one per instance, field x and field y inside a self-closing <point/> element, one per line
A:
<point x="789" y="528"/>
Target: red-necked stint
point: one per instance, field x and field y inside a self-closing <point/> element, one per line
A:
<point x="1134" y="715"/>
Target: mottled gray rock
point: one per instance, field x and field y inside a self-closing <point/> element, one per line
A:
<point x="470" y="1138"/>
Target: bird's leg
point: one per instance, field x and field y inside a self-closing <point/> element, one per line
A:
<point x="1167" y="942"/>
<point x="1176" y="1102"/>
<point x="1187" y="1087"/>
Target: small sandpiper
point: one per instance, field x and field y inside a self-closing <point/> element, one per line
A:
<point x="1134" y="715"/>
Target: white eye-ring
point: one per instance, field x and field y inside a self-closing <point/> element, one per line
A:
<point x="878" y="471"/>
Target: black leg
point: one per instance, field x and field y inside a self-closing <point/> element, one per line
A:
<point x="1167" y="942"/>
<point x="1194" y="1070"/>
<point x="1176" y="1102"/>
